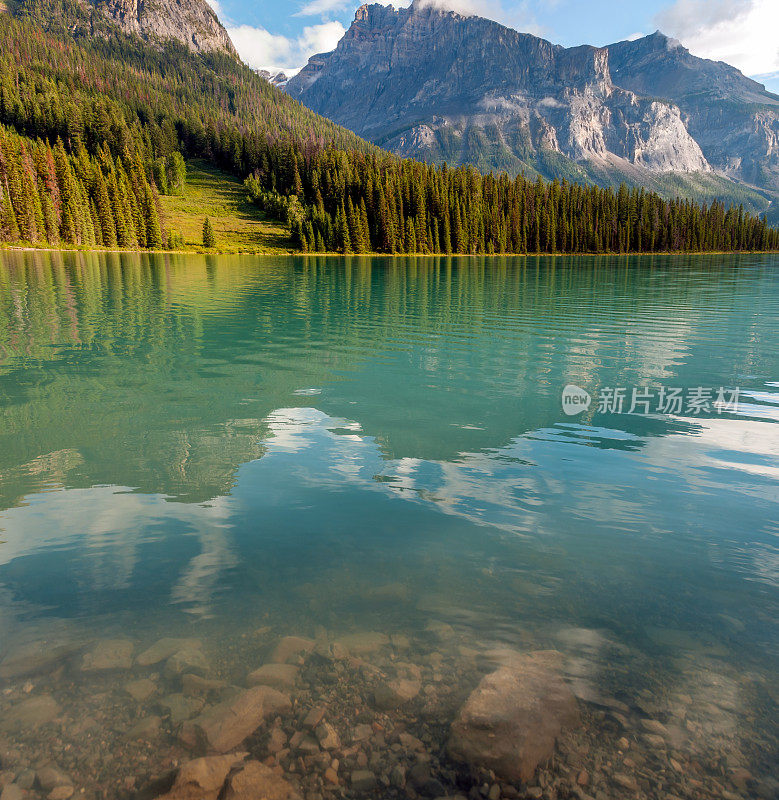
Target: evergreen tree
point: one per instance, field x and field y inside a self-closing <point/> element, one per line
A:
<point x="209" y="239"/>
<point x="92" y="128"/>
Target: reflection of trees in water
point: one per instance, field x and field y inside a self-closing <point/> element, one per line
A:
<point x="158" y="371"/>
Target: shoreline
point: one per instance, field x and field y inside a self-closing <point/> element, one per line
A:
<point x="30" y="249"/>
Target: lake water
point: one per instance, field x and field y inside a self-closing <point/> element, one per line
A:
<point x="239" y="449"/>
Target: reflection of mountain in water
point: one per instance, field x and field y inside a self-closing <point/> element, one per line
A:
<point x="160" y="373"/>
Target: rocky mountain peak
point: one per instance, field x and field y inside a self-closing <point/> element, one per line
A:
<point x="431" y="83"/>
<point x="191" y="22"/>
<point x="659" y="41"/>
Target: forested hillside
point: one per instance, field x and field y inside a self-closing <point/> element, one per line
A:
<point x="95" y="125"/>
<point x="117" y="111"/>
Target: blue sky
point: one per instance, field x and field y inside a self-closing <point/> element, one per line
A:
<point x="283" y="34"/>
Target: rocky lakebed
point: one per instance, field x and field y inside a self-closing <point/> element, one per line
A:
<point x="320" y="715"/>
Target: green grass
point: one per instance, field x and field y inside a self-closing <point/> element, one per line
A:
<point x="240" y="226"/>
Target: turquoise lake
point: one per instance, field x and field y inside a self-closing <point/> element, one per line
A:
<point x="235" y="449"/>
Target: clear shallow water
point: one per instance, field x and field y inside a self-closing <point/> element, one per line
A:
<point x="208" y="446"/>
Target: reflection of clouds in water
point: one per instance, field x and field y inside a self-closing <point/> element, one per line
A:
<point x="490" y="487"/>
<point x="289" y="428"/>
<point x="507" y="488"/>
<point x="746" y="446"/>
<point x="199" y="581"/>
<point x="107" y="526"/>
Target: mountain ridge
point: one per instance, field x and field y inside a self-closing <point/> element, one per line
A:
<point x="95" y="127"/>
<point x="440" y="86"/>
<point x="193" y="22"/>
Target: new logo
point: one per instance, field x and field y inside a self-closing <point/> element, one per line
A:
<point x="575" y="400"/>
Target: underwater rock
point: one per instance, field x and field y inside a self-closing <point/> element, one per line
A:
<point x="364" y="643"/>
<point x="277" y="740"/>
<point x="363" y="780"/>
<point x="203" y="778"/>
<point x="190" y="659"/>
<point x="361" y="732"/>
<point x="61" y="793"/>
<point x="35" y="659"/>
<point x="179" y="707"/>
<point x="655" y="727"/>
<point x="278" y="676"/>
<point x="164" y="649"/>
<point x="147" y="728"/>
<point x="290" y="647"/>
<point x="51" y="777"/>
<point x="511" y="721"/>
<point x="393" y="694"/>
<point x="141" y="690"/>
<point x="195" y="684"/>
<point x="327" y="736"/>
<point x="109" y="654"/>
<point x="627" y="782"/>
<point x="314" y="716"/>
<point x="30" y="713"/>
<point x="256" y="781"/>
<point x="226" y="725"/>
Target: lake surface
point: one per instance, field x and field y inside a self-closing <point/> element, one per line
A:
<point x="238" y="449"/>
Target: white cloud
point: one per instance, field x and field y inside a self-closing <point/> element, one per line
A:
<point x="472" y="8"/>
<point x="216" y="6"/>
<point x="518" y="15"/>
<point x="514" y="13"/>
<point x="261" y="49"/>
<point x="740" y="32"/>
<point x="316" y="7"/>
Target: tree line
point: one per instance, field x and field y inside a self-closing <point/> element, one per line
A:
<point x="50" y="196"/>
<point x="368" y="202"/>
<point x="123" y="115"/>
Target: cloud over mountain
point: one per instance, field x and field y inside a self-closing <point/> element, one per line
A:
<point x="739" y="32"/>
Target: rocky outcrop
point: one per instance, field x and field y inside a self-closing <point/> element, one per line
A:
<point x="511" y="721"/>
<point x="436" y="85"/>
<point x="278" y="79"/>
<point x="733" y="118"/>
<point x="191" y="22"/>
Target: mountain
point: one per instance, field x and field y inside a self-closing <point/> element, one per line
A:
<point x="191" y="22"/>
<point x="733" y="118"/>
<point x="96" y="124"/>
<point x="278" y="79"/>
<point x="433" y="84"/>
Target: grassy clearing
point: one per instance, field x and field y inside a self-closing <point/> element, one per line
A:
<point x="240" y="227"/>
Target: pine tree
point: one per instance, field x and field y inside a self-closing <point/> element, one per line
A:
<point x="209" y="238"/>
<point x="152" y="219"/>
<point x="105" y="215"/>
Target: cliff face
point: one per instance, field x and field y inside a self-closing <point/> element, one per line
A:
<point x="733" y="118"/>
<point x="191" y="22"/>
<point x="436" y="85"/>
